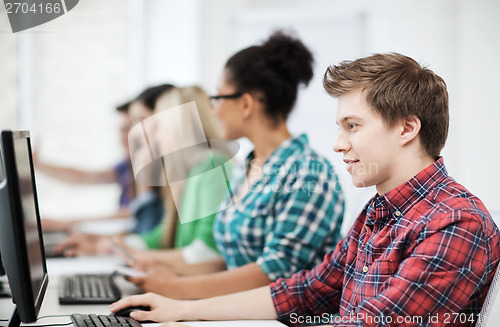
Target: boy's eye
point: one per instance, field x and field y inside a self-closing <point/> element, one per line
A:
<point x="352" y="126"/>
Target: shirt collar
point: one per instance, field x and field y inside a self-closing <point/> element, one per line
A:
<point x="282" y="152"/>
<point x="404" y="197"/>
<point x="401" y="199"/>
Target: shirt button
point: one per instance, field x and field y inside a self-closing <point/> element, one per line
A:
<point x="365" y="269"/>
<point x="397" y="213"/>
<point x="353" y="313"/>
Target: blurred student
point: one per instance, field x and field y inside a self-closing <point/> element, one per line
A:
<point x="423" y="248"/>
<point x="143" y="203"/>
<point x="147" y="206"/>
<point x="192" y="194"/>
<point x="288" y="206"/>
<point x="120" y="174"/>
<point x="190" y="206"/>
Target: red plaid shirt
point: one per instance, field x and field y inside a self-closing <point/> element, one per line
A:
<point x="423" y="254"/>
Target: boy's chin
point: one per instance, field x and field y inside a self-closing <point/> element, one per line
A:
<point x="361" y="183"/>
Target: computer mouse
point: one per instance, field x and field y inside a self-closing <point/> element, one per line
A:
<point x="126" y="311"/>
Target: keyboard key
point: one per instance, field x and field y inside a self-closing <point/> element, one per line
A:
<point x="92" y="320"/>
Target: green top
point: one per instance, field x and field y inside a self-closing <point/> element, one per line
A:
<point x="206" y="186"/>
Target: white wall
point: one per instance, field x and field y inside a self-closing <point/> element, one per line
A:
<point x="9" y="75"/>
<point x="69" y="75"/>
<point x="171" y="41"/>
<point x="476" y="99"/>
<point x="459" y="41"/>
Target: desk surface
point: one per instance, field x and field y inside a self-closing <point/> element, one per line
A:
<point x="63" y="266"/>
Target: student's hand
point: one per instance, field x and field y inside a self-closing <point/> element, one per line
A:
<point x="104" y="246"/>
<point x="162" y="309"/>
<point x="146" y="264"/>
<point x="51" y="225"/>
<point x="161" y="281"/>
<point x="117" y="246"/>
<point x="78" y="244"/>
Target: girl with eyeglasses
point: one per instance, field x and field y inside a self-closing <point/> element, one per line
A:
<point x="286" y="206"/>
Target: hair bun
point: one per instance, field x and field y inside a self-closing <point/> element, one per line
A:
<point x="274" y="69"/>
<point x="289" y="57"/>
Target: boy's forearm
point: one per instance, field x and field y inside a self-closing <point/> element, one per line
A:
<point x="253" y="304"/>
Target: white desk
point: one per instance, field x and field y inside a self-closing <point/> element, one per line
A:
<point x="63" y="266"/>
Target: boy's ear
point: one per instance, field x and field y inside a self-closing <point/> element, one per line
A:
<point x="410" y="127"/>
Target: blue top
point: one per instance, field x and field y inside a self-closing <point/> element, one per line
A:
<point x="126" y="181"/>
<point x="289" y="219"/>
<point x="146" y="208"/>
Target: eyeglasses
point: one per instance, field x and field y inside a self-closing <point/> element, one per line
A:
<point x="215" y="98"/>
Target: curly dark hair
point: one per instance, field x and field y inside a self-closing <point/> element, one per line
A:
<point x="274" y="70"/>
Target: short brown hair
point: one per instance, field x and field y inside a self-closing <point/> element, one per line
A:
<point x="397" y="87"/>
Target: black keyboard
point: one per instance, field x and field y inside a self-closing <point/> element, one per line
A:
<point x="82" y="320"/>
<point x="88" y="289"/>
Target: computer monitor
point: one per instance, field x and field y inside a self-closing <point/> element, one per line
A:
<point x="21" y="242"/>
<point x="2" y="271"/>
<point x="4" y="290"/>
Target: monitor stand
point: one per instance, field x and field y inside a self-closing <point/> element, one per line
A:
<point x="15" y="320"/>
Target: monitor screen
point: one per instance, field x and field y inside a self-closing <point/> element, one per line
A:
<point x="21" y="242"/>
<point x="2" y="271"/>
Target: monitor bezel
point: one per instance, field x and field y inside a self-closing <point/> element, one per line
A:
<point x="12" y="234"/>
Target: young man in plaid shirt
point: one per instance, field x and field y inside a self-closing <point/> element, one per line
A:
<point x="423" y="251"/>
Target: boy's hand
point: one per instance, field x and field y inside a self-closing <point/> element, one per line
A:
<point x="162" y="309"/>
